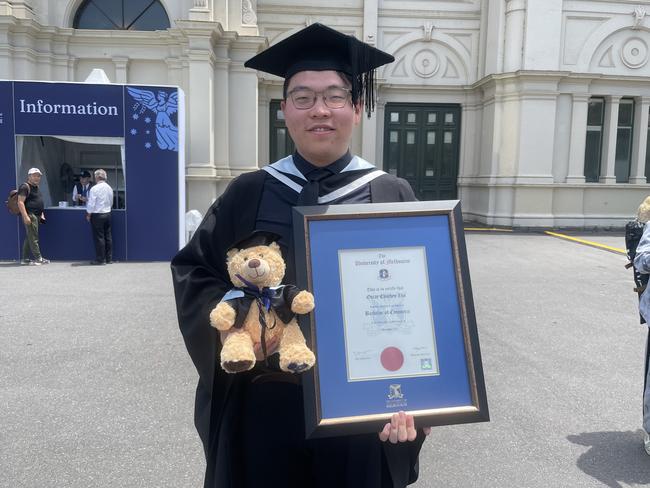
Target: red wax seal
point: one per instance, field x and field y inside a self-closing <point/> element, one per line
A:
<point x="392" y="358"/>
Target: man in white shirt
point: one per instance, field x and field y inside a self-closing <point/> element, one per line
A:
<point x="98" y="213"/>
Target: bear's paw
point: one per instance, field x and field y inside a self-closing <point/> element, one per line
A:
<point x="303" y="303"/>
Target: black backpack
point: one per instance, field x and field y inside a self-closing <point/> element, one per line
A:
<point x="633" y="234"/>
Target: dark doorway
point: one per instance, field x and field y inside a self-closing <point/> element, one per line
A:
<point x="421" y="145"/>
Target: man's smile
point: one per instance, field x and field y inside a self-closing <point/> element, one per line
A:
<point x="321" y="129"/>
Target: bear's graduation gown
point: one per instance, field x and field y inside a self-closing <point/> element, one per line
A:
<point x="200" y="281"/>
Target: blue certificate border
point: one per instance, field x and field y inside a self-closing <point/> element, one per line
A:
<point x="334" y="405"/>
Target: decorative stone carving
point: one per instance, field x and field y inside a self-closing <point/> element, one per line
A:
<point x="425" y="63"/>
<point x="200" y="3"/>
<point x="248" y="15"/>
<point x="634" y="53"/>
<point x="639" y="15"/>
<point x="428" y="31"/>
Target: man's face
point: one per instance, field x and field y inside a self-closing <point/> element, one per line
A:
<point x="34" y="179"/>
<point x="321" y="134"/>
<point x="84" y="180"/>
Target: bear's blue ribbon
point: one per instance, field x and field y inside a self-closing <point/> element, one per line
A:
<point x="266" y="294"/>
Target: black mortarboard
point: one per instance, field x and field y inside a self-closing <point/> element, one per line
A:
<point x="257" y="238"/>
<point x="85" y="174"/>
<point x="320" y="48"/>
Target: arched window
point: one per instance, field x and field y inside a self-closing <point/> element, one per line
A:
<point x="144" y="15"/>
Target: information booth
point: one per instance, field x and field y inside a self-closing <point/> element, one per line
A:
<point x="134" y="133"/>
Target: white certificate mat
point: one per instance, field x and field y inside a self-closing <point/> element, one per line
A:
<point x="389" y="330"/>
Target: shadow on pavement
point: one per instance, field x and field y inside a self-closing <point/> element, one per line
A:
<point x="614" y="457"/>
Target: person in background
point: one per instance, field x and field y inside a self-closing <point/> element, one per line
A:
<point x="30" y="203"/>
<point x="98" y="213"/>
<point x="642" y="265"/>
<point x="81" y="189"/>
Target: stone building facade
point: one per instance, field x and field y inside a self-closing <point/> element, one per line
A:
<point x="532" y="112"/>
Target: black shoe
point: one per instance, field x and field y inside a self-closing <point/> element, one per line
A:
<point x="109" y="261"/>
<point x="97" y="263"/>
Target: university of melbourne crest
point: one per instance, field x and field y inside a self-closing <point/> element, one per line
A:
<point x="384" y="274"/>
<point x="395" y="391"/>
<point x="395" y="398"/>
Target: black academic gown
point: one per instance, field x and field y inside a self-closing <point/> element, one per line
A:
<point x="200" y="281"/>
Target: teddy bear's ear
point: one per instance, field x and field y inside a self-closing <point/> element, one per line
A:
<point x="231" y="252"/>
<point x="275" y="247"/>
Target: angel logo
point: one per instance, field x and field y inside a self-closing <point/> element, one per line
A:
<point x="163" y="105"/>
<point x="395" y="392"/>
<point x="384" y="274"/>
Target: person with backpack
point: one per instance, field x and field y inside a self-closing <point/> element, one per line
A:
<point x="31" y="206"/>
<point x="640" y="256"/>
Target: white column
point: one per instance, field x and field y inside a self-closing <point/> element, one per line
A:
<point x="263" y="130"/>
<point x="608" y="158"/>
<point x="380" y="110"/>
<point x="243" y="107"/>
<point x="175" y="72"/>
<point x="514" y="37"/>
<point x="121" y="66"/>
<point x="222" y="110"/>
<point x="469" y="133"/>
<point x="639" y="139"/>
<point x="577" y="143"/>
<point x="369" y="136"/>
<point x="370" y="12"/>
<point x="200" y="113"/>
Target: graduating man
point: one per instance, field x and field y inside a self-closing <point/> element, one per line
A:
<point x="252" y="424"/>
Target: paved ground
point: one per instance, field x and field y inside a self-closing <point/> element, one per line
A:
<point x="96" y="389"/>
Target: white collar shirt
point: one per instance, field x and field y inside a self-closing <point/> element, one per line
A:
<point x="100" y="198"/>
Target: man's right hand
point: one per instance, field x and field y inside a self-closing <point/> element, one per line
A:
<point x="26" y="220"/>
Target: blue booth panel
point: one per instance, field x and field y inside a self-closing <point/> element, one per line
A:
<point x="148" y="220"/>
<point x="76" y="243"/>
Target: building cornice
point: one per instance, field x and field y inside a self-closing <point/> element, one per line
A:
<point x="446" y="15"/>
<point x="320" y="11"/>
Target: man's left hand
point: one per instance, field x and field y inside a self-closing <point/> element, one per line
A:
<point x="401" y="428"/>
<point x="88" y="217"/>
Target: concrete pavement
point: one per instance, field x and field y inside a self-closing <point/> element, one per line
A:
<point x="96" y="389"/>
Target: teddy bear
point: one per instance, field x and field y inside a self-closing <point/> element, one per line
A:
<point x="260" y="310"/>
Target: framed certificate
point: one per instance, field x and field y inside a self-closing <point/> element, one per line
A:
<point x="394" y="325"/>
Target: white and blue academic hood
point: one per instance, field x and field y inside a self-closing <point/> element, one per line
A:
<point x="135" y="133"/>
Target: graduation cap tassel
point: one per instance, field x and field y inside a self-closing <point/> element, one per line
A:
<point x="371" y="88"/>
<point x="367" y="82"/>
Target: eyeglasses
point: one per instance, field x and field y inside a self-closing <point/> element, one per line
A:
<point x="333" y="97"/>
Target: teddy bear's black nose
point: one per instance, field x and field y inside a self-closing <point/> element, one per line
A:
<point x="254" y="263"/>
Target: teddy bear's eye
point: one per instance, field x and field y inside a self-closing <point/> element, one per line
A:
<point x="261" y="255"/>
<point x="246" y="258"/>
